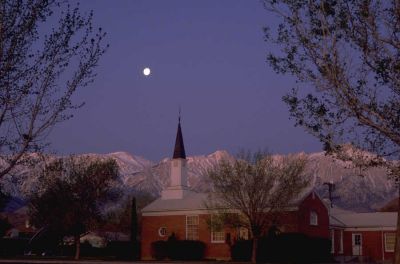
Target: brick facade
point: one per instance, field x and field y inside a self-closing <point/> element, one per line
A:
<point x="372" y="244"/>
<point x="295" y="219"/>
<point x="177" y="224"/>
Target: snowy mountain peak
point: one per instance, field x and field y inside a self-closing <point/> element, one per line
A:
<point x="363" y="193"/>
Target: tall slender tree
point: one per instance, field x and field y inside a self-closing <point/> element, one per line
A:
<point x="134" y="229"/>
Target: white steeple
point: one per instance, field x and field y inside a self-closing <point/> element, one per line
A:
<point x="178" y="172"/>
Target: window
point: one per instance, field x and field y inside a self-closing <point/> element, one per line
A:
<point x="243" y="233"/>
<point x="313" y="218"/>
<point x="217" y="230"/>
<point x="332" y="241"/>
<point x="218" y="236"/>
<point x="162" y="231"/>
<point x="390" y="239"/>
<point x="192" y="227"/>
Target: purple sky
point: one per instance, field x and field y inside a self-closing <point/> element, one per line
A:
<point x="207" y="56"/>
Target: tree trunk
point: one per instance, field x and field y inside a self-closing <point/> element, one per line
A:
<point x="397" y="247"/>
<point x="77" y="240"/>
<point x="254" y="250"/>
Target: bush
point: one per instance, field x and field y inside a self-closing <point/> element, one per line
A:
<point x="12" y="246"/>
<point x="178" y="249"/>
<point x="124" y="250"/>
<point x="241" y="250"/>
<point x="159" y="249"/>
<point x="287" y="247"/>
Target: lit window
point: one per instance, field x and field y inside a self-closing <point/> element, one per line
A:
<point x="390" y="240"/>
<point x="192" y="227"/>
<point x="313" y="218"/>
<point x="243" y="233"/>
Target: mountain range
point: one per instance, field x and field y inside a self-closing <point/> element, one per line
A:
<point x="354" y="189"/>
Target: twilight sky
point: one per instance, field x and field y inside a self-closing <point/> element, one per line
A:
<point x="207" y="56"/>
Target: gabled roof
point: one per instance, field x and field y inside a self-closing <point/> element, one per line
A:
<point x="191" y="201"/>
<point x="197" y="201"/>
<point x="179" y="150"/>
<point x="363" y="220"/>
<point x="303" y="195"/>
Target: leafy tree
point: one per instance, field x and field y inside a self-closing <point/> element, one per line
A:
<point x="48" y="50"/>
<point x="72" y="195"/>
<point x="345" y="58"/>
<point x="256" y="187"/>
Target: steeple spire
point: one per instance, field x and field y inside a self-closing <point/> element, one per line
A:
<point x="179" y="150"/>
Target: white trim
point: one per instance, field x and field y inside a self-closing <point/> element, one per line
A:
<point x="197" y="212"/>
<point x="332" y="241"/>
<point x="217" y="241"/>
<point x="179" y="212"/>
<point x="160" y="231"/>
<point x="214" y="232"/>
<point x="370" y="229"/>
<point x="386" y="250"/>
<point x="360" y="246"/>
<point x="313" y="218"/>
<point x="198" y="226"/>
<point x="341" y="241"/>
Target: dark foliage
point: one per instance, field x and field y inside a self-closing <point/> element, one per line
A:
<point x="178" y="249"/>
<point x="285" y="248"/>
<point x="10" y="247"/>
<point x="241" y="250"/>
<point x="134" y="230"/>
<point x="4" y="199"/>
<point x="4" y="226"/>
<point x="74" y="193"/>
<point x="159" y="249"/>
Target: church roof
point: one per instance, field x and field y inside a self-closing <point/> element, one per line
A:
<point x="179" y="150"/>
<point x="192" y="201"/>
<point x="198" y="201"/>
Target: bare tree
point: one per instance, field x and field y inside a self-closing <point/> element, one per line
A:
<point x="42" y="63"/>
<point x="72" y="195"/>
<point x="256" y="188"/>
<point x="345" y="57"/>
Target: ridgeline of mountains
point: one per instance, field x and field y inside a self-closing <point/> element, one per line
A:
<point x="354" y="190"/>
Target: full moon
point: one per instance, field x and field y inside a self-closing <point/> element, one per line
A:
<point x="146" y="71"/>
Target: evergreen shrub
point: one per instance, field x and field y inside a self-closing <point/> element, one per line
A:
<point x="178" y="249"/>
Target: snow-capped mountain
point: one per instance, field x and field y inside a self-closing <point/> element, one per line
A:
<point x="354" y="189"/>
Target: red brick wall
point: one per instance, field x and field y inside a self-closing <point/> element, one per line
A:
<point x="291" y="221"/>
<point x="313" y="203"/>
<point x="371" y="244"/>
<point x="177" y="224"/>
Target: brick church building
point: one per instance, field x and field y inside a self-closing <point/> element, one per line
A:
<point x="183" y="212"/>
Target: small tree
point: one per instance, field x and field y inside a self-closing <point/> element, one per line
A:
<point x="257" y="188"/>
<point x="41" y="67"/>
<point x="72" y="196"/>
<point x="344" y="55"/>
<point x="134" y="229"/>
